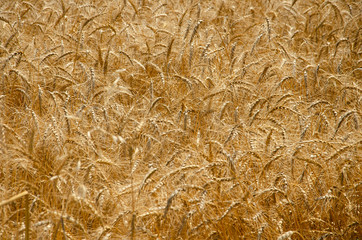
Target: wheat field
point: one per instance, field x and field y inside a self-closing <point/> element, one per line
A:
<point x="180" y="119"/>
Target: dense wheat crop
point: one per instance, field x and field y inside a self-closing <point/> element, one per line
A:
<point x="178" y="119"/>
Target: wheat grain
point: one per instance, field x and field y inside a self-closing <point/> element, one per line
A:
<point x="169" y="201"/>
<point x="268" y="28"/>
<point x="169" y="49"/>
<point x="341" y="119"/>
<point x="195" y="30"/>
<point x="255" y="43"/>
<point x="233" y="205"/>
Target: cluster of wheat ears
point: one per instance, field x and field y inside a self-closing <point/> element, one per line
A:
<point x="180" y="119"/>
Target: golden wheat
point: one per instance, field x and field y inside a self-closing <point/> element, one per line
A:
<point x="180" y="120"/>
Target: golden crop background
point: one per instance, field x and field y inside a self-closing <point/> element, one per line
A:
<point x="181" y="119"/>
